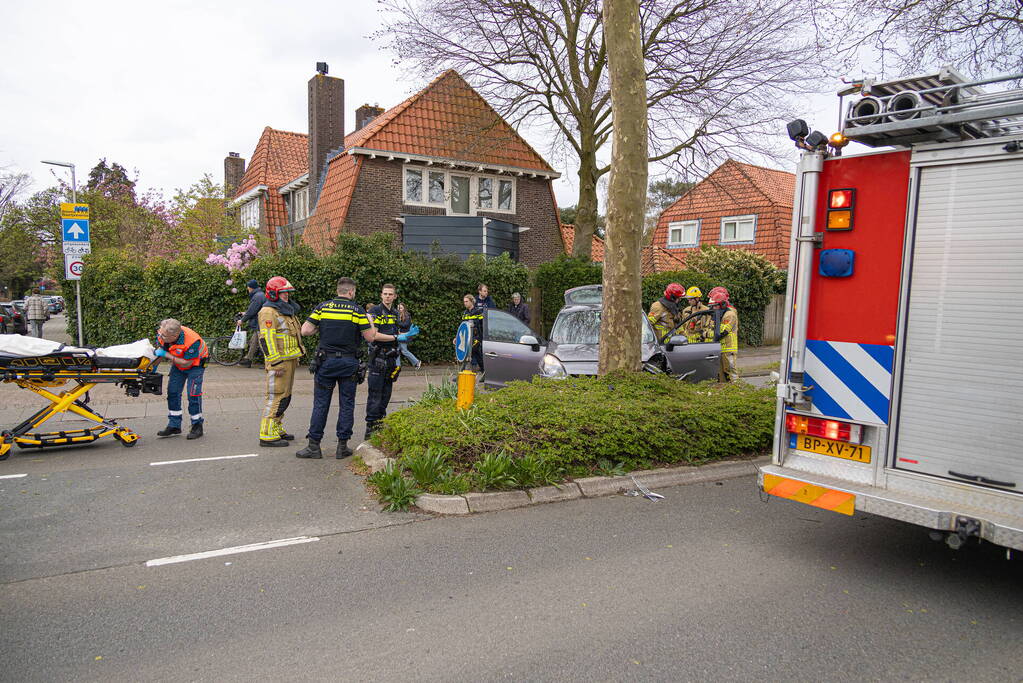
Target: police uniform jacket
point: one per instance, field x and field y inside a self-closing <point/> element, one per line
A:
<point x="341" y="323"/>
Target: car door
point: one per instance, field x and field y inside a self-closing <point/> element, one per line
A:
<point x="505" y="357"/>
<point x="697" y="361"/>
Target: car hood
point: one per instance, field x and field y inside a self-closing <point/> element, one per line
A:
<point x="581" y="359"/>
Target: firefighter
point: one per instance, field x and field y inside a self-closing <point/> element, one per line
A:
<point x="696" y="330"/>
<point x="664" y="315"/>
<point x="384" y="363"/>
<point x="729" y="333"/>
<point x="280" y="337"/>
<point x="188" y="355"/>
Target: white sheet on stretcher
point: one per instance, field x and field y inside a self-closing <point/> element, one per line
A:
<point x="20" y="345"/>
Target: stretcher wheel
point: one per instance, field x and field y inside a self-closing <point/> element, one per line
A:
<point x="127" y="439"/>
<point x="5" y="447"/>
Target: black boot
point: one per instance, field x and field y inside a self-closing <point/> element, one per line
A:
<point x="312" y="450"/>
<point x="196" y="431"/>
<point x="343" y="451"/>
<point x="287" y="437"/>
<point x="276" y="443"/>
<point x="169" y="431"/>
<point x="370" y="428"/>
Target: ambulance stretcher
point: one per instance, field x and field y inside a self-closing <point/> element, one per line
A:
<point x="40" y="366"/>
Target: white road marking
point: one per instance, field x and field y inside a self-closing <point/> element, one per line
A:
<point x="13" y="476"/>
<point x="219" y="457"/>
<point x="266" y="545"/>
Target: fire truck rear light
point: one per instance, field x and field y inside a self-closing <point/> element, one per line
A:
<point x="840" y="199"/>
<point x="840" y="220"/>
<point x="828" y="429"/>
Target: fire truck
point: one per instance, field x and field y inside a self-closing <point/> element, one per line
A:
<point x="900" y="391"/>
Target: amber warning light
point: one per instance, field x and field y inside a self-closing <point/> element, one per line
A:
<point x="840" y="209"/>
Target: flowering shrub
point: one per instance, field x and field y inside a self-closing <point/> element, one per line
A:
<point x="239" y="255"/>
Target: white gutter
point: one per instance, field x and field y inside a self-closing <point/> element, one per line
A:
<point x="468" y="165"/>
<point x="296" y="184"/>
<point x="250" y="194"/>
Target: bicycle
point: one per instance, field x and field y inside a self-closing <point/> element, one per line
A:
<point x="220" y="351"/>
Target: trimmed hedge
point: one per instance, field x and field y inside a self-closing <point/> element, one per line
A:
<point x="122" y="301"/>
<point x="637" y="421"/>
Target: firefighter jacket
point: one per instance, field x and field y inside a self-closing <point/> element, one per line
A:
<point x="730" y="324"/>
<point x="280" y="333"/>
<point x="697" y="329"/>
<point x="189" y="346"/>
<point x="663" y="316"/>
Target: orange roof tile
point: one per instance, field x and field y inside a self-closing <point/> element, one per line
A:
<point x="568" y="237"/>
<point x="336" y="197"/>
<point x="280" y="157"/>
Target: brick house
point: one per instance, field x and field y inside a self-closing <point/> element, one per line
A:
<point x="739" y="206"/>
<point x="653" y="259"/>
<point x="440" y="169"/>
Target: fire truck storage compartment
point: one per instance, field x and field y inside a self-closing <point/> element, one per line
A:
<point x="960" y="403"/>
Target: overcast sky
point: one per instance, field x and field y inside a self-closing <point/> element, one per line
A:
<point x="170" y="88"/>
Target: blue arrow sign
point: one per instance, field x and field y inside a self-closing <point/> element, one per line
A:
<point x="463" y="341"/>
<point x="75" y="229"/>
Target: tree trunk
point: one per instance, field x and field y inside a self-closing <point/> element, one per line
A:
<point x="621" y="326"/>
<point x="586" y="208"/>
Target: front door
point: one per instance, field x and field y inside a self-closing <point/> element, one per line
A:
<point x="505" y="358"/>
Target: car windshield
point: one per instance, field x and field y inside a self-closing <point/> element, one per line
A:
<point x="583" y="327"/>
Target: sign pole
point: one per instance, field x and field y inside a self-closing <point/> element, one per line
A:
<point x="78" y="283"/>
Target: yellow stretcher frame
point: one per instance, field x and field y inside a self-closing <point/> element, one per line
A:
<point x="39" y="374"/>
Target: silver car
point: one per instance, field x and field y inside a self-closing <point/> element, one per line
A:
<point x="512" y="351"/>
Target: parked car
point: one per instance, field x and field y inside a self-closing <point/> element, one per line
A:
<point x="512" y="351"/>
<point x="19" y="323"/>
<point x="54" y="304"/>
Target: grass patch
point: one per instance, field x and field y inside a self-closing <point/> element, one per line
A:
<point x="544" y="431"/>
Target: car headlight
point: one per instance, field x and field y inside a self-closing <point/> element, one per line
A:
<point x="552" y="367"/>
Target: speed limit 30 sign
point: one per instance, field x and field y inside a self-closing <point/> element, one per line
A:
<point x="73" y="267"/>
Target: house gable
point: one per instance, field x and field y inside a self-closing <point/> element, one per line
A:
<point x="279" y="157"/>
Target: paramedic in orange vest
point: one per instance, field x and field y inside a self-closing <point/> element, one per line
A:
<point x="729" y="333"/>
<point x="188" y="354"/>
<point x="280" y="336"/>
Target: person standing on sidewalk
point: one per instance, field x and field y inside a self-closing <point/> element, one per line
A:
<point x="483" y="298"/>
<point x="384" y="365"/>
<point x="250" y="321"/>
<point x="518" y="308"/>
<point x="188" y="355"/>
<point x="280" y="337"/>
<point x="343" y="326"/>
<point x="474" y="314"/>
<point x="37" y="313"/>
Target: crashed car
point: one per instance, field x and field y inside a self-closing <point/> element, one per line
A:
<point x="512" y="351"/>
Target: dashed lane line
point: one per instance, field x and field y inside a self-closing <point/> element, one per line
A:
<point x="266" y="545"/>
<point x="13" y="476"/>
<point x="219" y="457"/>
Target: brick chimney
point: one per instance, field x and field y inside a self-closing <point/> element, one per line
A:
<point x="326" y="124"/>
<point x="365" y="114"/>
<point x="234" y="169"/>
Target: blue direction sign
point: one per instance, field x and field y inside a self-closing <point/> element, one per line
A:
<point x="75" y="229"/>
<point x="463" y="341"/>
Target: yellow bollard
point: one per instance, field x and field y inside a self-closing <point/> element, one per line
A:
<point x="466" y="389"/>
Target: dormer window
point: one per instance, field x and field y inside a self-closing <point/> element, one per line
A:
<point x="457" y="192"/>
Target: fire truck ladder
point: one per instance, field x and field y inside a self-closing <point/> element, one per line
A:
<point x="941" y="107"/>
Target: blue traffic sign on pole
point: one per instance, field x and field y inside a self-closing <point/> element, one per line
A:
<point x="463" y="341"/>
<point x="75" y="229"/>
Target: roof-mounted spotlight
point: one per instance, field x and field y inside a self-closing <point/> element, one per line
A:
<point x="815" y="140"/>
<point x="797" y="130"/>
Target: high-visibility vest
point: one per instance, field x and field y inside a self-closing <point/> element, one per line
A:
<point x="476" y="316"/>
<point x="696" y="329"/>
<point x="188" y="338"/>
<point x="730" y="324"/>
<point x="279" y="335"/>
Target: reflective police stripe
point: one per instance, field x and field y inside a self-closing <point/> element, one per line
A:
<point x="850" y="381"/>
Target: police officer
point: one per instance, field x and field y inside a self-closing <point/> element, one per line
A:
<point x="383" y="356"/>
<point x="342" y="325"/>
<point x="474" y="313"/>
<point x="280" y="338"/>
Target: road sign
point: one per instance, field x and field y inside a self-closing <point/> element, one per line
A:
<point x="73" y="267"/>
<point x="463" y="341"/>
<point x="77" y="248"/>
<point x="79" y="211"/>
<point x="75" y="229"/>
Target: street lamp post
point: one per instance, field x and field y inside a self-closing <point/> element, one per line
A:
<point x="78" y="283"/>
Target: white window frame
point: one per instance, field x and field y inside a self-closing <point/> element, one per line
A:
<point x="474" y="207"/>
<point x="248" y="214"/>
<point x="299" y="204"/>
<point x="737" y="220"/>
<point x="683" y="225"/>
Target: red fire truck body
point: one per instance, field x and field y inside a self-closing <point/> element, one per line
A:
<point x="901" y="388"/>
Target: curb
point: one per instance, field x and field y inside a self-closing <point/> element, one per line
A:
<point x="589" y="487"/>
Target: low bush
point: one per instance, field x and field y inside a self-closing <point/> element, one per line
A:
<point x="536" y="433"/>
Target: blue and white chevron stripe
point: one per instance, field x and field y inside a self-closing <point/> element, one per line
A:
<point x="850" y="381"/>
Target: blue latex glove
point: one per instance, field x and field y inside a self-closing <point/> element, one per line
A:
<point x="160" y="353"/>
<point x="412" y="331"/>
<point x="403" y="337"/>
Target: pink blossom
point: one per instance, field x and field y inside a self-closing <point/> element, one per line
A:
<point x="234" y="290"/>
<point x="229" y="282"/>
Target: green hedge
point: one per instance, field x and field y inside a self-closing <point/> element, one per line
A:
<point x="122" y="301"/>
<point x="637" y="421"/>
